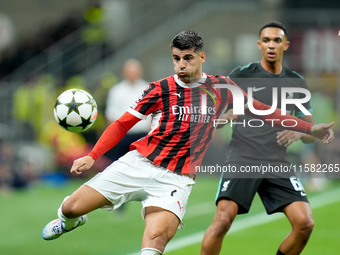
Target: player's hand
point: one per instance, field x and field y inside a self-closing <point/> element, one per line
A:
<point x="287" y="137"/>
<point x="81" y="164"/>
<point x="230" y="115"/>
<point x="324" y="132"/>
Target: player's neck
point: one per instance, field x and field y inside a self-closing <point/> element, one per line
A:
<point x="193" y="82"/>
<point x="194" y="79"/>
<point x="273" y="68"/>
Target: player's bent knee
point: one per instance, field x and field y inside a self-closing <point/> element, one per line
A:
<point x="67" y="211"/>
<point x="158" y="238"/>
<point x="70" y="210"/>
<point x="225" y="215"/>
<point x="222" y="226"/>
<point x="305" y="226"/>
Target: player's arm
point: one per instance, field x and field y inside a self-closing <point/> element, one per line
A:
<point x="322" y="131"/>
<point x="110" y="137"/>
<point x="287" y="137"/>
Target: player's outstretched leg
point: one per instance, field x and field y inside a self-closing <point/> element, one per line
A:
<point x="73" y="210"/>
<point x="55" y="228"/>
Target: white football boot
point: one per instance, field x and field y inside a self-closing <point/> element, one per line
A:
<point x="54" y="229"/>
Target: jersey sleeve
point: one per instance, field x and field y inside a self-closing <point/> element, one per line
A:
<point x="235" y="73"/>
<point x="113" y="134"/>
<point x="237" y="76"/>
<point x="147" y="103"/>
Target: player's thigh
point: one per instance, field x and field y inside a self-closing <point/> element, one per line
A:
<point x="82" y="201"/>
<point x="239" y="190"/>
<point x="160" y="224"/>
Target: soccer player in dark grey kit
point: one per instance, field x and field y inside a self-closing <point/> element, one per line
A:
<point x="256" y="146"/>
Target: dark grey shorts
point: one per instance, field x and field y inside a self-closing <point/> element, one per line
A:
<point x="275" y="193"/>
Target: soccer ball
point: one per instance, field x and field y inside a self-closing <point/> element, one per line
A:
<point x="75" y="110"/>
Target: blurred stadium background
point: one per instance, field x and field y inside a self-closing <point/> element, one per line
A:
<point x="48" y="46"/>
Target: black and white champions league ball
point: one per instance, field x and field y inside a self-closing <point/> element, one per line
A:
<point x="75" y="110"/>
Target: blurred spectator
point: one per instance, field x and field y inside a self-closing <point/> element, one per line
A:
<point x="100" y="94"/>
<point x="66" y="146"/>
<point x="34" y="101"/>
<point x="323" y="112"/>
<point x="94" y="31"/>
<point x="95" y="34"/>
<point x="120" y="97"/>
<point x="10" y="178"/>
<point x="7" y="31"/>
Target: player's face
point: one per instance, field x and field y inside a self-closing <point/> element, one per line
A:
<point x="272" y="44"/>
<point x="188" y="64"/>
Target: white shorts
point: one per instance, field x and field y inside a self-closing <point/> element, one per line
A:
<point x="135" y="178"/>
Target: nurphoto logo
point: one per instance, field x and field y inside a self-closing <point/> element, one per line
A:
<point x="239" y="105"/>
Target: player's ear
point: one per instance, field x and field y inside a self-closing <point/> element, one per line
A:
<point x="202" y="56"/>
<point x="259" y="44"/>
<point x="287" y="45"/>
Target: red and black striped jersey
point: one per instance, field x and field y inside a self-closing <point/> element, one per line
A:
<point x="182" y="120"/>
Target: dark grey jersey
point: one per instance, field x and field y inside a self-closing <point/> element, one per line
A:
<point x="253" y="141"/>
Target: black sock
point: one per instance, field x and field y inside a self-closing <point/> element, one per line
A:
<point x="279" y="253"/>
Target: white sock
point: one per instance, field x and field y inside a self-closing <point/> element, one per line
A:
<point x="150" y="251"/>
<point x="67" y="222"/>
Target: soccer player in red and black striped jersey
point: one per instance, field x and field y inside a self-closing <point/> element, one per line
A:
<point x="159" y="170"/>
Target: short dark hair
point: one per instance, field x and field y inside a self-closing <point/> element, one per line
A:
<point x="274" y="24"/>
<point x="188" y="40"/>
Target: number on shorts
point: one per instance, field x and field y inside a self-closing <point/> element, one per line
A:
<point x="297" y="185"/>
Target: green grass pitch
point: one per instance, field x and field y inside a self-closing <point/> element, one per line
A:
<point x="25" y="213"/>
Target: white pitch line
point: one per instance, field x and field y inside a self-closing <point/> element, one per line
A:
<point x="317" y="201"/>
